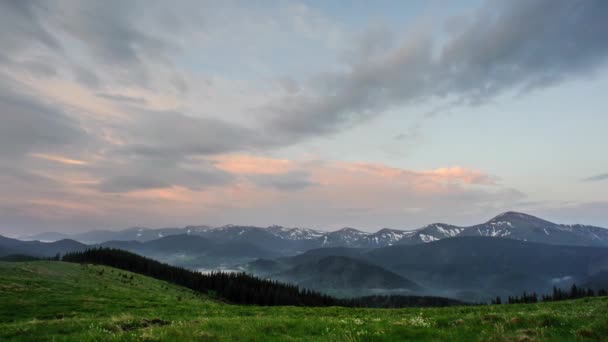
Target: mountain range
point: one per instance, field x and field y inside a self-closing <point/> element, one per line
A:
<point x="10" y="246"/>
<point x="510" y="253"/>
<point x="510" y="225"/>
<point x="468" y="267"/>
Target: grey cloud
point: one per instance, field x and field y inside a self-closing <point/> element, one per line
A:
<point x="591" y="213"/>
<point x="412" y="133"/>
<point x="122" y="98"/>
<point x="39" y="69"/>
<point x="290" y="181"/>
<point x="172" y="133"/>
<point x="507" y="46"/>
<point x="119" y="37"/>
<point x="86" y="77"/>
<point x="597" y="178"/>
<point x="20" y="25"/>
<point x="290" y="85"/>
<point x="141" y="173"/>
<point x="18" y="177"/>
<point x="109" y="31"/>
<point x="28" y="125"/>
<point x="170" y="149"/>
<point x="369" y="45"/>
<point x="130" y="183"/>
<point x="525" y="43"/>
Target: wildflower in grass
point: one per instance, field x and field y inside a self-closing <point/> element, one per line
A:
<point x="417" y="321"/>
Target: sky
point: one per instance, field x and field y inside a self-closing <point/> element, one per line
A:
<point x="320" y="114"/>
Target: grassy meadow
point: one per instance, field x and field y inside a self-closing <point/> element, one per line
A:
<point x="58" y="301"/>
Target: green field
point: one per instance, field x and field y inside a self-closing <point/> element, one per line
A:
<point x="46" y="300"/>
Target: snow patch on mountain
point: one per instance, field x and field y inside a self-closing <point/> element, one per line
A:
<point x="427" y="238"/>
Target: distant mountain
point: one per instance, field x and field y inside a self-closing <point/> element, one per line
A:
<point x="317" y="254"/>
<point x="336" y="272"/>
<point x="130" y="234"/>
<point x="266" y="267"/>
<point x="430" y="233"/>
<point x="516" y="226"/>
<point x="135" y="234"/>
<point x="273" y="239"/>
<point x="491" y="265"/>
<point x="525" y="227"/>
<point x="10" y="246"/>
<point x="471" y="268"/>
<point x="290" y="241"/>
<point x="185" y="250"/>
<point x="45" y="237"/>
<point x="296" y="233"/>
<point x="192" y="246"/>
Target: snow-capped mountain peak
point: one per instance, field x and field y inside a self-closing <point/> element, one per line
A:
<point x="295" y="233"/>
<point x="511" y="225"/>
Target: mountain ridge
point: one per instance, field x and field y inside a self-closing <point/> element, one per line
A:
<point x="510" y="224"/>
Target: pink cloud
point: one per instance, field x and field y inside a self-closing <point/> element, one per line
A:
<point x="341" y="193"/>
<point x="245" y="164"/>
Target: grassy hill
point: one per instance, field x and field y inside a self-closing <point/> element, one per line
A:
<point x="45" y="300"/>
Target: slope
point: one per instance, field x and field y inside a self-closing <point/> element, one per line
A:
<point x="337" y="272"/>
<point x="61" y="301"/>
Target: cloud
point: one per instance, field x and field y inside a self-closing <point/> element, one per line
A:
<point x="173" y="134"/>
<point x="265" y="172"/>
<point x="290" y="181"/>
<point x="108" y="31"/>
<point x="109" y="40"/>
<point x="117" y="107"/>
<point x="597" y="178"/>
<point x="511" y="46"/>
<point x="27" y="124"/>
<point x="373" y="195"/>
<point x="20" y="26"/>
<point x="122" y="98"/>
<point x="248" y="164"/>
<point x="140" y="172"/>
<point x="244" y="189"/>
<point x="58" y="159"/>
<point x="504" y="46"/>
<point x="590" y="213"/>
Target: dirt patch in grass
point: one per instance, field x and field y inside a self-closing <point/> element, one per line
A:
<point x="491" y="317"/>
<point x="585" y="332"/>
<point x="139" y="324"/>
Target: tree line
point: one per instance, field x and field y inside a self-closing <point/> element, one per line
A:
<point x="237" y="288"/>
<point x="558" y="294"/>
<point x="241" y="288"/>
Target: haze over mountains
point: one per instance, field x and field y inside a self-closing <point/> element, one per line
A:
<point x="510" y="253"/>
<point x="471" y="268"/>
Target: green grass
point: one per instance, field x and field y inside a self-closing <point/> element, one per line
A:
<point x="58" y="301"/>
